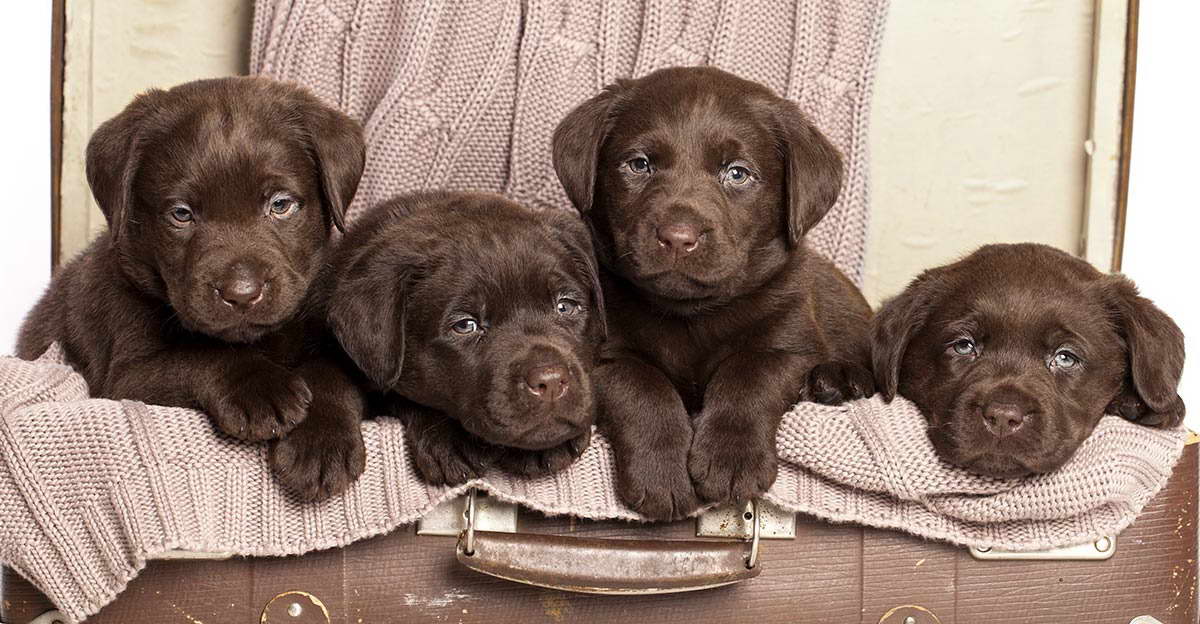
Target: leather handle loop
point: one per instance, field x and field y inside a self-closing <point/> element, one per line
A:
<point x="602" y="566"/>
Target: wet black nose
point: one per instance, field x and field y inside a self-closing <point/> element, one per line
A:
<point x="241" y="289"/>
<point x="679" y="237"/>
<point x="1004" y="419"/>
<point x="547" y="383"/>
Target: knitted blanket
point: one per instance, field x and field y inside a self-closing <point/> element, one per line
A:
<point x="92" y="488"/>
<point x="465" y="95"/>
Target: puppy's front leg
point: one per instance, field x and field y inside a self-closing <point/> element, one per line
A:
<point x="733" y="454"/>
<point x="324" y="454"/>
<point x="246" y="394"/>
<point x="648" y="426"/>
<point x="444" y="453"/>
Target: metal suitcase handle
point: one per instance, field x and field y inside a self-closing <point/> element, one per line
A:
<point x="607" y="566"/>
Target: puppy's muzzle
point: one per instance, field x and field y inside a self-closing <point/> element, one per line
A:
<point x="1006" y="411"/>
<point x="679" y="238"/>
<point x="548" y="383"/>
<point x="241" y="287"/>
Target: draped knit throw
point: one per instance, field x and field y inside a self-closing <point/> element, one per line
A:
<point x="465" y="95"/>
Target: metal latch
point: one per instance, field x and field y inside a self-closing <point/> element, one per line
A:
<point x="737" y="522"/>
<point x="1098" y="550"/>
<point x="491" y="514"/>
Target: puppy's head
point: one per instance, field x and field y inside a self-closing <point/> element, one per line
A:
<point x="220" y="195"/>
<point x="1014" y="352"/>
<point x="478" y="307"/>
<point x="698" y="183"/>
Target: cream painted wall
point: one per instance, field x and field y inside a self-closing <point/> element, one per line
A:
<point x="977" y="130"/>
<point x="116" y="50"/>
<point x="978" y="125"/>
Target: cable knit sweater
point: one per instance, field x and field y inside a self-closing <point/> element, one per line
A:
<point x="465" y="95"/>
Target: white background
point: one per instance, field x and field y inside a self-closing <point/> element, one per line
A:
<point x="24" y="163"/>
<point x="1162" y="235"/>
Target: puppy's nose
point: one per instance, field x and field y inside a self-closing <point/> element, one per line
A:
<point x="547" y="383"/>
<point x="241" y="289"/>
<point x="679" y="237"/>
<point x="1004" y="419"/>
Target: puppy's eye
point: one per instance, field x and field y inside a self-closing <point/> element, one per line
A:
<point x="639" y="165"/>
<point x="567" y="306"/>
<point x="465" y="327"/>
<point x="1064" y="359"/>
<point x="181" y="215"/>
<point x="737" y="175"/>
<point x="965" y="346"/>
<point x="283" y="206"/>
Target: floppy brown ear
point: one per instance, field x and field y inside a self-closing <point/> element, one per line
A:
<point x="113" y="157"/>
<point x="1154" y="351"/>
<point x="367" y="310"/>
<point x="813" y="169"/>
<point x="577" y="236"/>
<point x="898" y="320"/>
<point x="576" y="145"/>
<point x="339" y="150"/>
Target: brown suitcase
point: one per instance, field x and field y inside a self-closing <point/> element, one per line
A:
<point x="827" y="573"/>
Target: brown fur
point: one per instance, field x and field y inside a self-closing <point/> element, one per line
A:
<point x="514" y="387"/>
<point x="194" y="297"/>
<point x="720" y="317"/>
<point x="1007" y="406"/>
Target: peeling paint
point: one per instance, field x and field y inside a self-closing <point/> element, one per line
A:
<point x="555" y="606"/>
<point x="445" y="600"/>
<point x="185" y="614"/>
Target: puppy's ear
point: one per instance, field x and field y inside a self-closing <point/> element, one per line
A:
<point x="898" y="320"/>
<point x="367" y="309"/>
<point x="113" y="157"/>
<point x="1154" y="350"/>
<point x="576" y="234"/>
<point x="812" y="166"/>
<point x="339" y="150"/>
<point x="576" y="145"/>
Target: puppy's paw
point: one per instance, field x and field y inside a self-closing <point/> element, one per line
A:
<point x="833" y="383"/>
<point x="262" y="401"/>
<point x="1129" y="406"/>
<point x="316" y="463"/>
<point x="445" y="455"/>
<point x="730" y="466"/>
<point x="657" y="487"/>
<point x="549" y="461"/>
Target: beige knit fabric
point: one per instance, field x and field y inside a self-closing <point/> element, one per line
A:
<point x="465" y="95"/>
<point x="91" y="488"/>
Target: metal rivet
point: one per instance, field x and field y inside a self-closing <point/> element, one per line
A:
<point x="1103" y="544"/>
<point x="295" y="609"/>
<point x="985" y="549"/>
<point x="910" y="620"/>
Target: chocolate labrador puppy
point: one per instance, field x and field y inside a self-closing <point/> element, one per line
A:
<point x="220" y="196"/>
<point x="700" y="187"/>
<point x="479" y="319"/>
<point x="1014" y="353"/>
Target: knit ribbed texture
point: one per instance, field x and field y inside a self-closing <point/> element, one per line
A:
<point x="466" y="95"/>
<point x="91" y="488"/>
